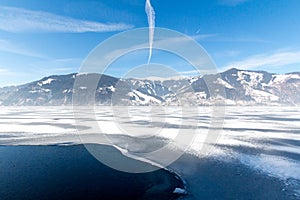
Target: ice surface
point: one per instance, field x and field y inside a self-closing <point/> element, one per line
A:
<point x="266" y="139"/>
<point x="280" y="167"/>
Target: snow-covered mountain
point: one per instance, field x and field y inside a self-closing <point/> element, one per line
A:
<point x="235" y="86"/>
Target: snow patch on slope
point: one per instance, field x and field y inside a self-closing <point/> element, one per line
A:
<point x="281" y="78"/>
<point x="143" y="99"/>
<point x="254" y="78"/>
<point x="48" y="81"/>
<point x="222" y="82"/>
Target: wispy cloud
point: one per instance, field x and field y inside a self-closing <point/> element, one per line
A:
<point x="219" y="37"/>
<point x="14" y="19"/>
<point x="190" y="72"/>
<point x="56" y="66"/>
<point x="243" y="39"/>
<point x="227" y="53"/>
<point x="237" y="39"/>
<point x="232" y="2"/>
<point x="3" y="71"/>
<point x="13" y="75"/>
<point x="10" y="47"/>
<point x="203" y="36"/>
<point x="274" y="59"/>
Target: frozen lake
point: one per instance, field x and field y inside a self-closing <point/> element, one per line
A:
<point x="265" y="140"/>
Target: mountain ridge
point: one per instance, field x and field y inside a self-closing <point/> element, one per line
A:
<point x="233" y="86"/>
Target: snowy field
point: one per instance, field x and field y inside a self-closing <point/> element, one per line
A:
<point x="265" y="139"/>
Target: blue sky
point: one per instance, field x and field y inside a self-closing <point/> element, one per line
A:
<point x="41" y="38"/>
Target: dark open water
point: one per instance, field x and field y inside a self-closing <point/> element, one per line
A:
<point x="70" y="172"/>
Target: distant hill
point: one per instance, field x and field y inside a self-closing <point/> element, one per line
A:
<point x="240" y="87"/>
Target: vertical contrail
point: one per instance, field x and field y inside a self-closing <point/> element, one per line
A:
<point x="151" y="21"/>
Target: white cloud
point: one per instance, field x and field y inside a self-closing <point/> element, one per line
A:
<point x="21" y="20"/>
<point x="275" y="59"/>
<point x="7" y="46"/>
